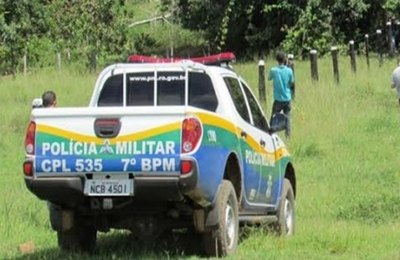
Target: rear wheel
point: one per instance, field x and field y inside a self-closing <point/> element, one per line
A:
<point x="224" y="239"/>
<point x="285" y="225"/>
<point x="81" y="237"/>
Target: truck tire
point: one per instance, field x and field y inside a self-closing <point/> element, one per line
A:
<point x="81" y="237"/>
<point x="223" y="240"/>
<point x="285" y="225"/>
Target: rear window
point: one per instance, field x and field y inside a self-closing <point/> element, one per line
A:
<point x="170" y="89"/>
<point x="141" y="90"/>
<point x="112" y="92"/>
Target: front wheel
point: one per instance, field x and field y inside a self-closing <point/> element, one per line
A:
<point x="224" y="239"/>
<point x="285" y="224"/>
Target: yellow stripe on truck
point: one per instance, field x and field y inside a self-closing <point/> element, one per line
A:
<point x="88" y="138"/>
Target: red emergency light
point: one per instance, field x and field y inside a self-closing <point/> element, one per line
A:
<point x="217" y="59"/>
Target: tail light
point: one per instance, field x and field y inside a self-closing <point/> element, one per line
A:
<point x="191" y="134"/>
<point x="28" y="168"/>
<point x="30" y="138"/>
<point x="186" y="167"/>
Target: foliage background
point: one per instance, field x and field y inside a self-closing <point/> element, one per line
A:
<point x="344" y="139"/>
<point x="95" y="33"/>
<point x="344" y="146"/>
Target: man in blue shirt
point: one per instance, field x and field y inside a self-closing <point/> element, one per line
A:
<point x="283" y="80"/>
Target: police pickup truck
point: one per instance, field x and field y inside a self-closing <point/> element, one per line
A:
<point x="163" y="145"/>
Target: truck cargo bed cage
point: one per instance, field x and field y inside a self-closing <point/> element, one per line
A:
<point x="221" y="59"/>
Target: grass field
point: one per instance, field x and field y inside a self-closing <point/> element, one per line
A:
<point x="344" y="146"/>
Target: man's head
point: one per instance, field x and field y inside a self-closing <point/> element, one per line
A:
<point x="49" y="99"/>
<point x="280" y="57"/>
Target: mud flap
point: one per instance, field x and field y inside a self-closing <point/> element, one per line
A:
<point x="60" y="219"/>
<point x="212" y="217"/>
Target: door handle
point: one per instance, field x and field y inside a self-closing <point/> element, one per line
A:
<point x="107" y="127"/>
<point x="262" y="143"/>
<point x="243" y="134"/>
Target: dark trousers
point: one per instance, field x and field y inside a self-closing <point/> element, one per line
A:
<point x="284" y="106"/>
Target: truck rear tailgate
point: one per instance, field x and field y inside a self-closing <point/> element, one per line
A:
<point x="113" y="140"/>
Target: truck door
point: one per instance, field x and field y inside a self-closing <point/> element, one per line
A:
<point x="269" y="172"/>
<point x="248" y="141"/>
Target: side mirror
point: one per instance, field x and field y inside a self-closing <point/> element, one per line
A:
<point x="37" y="102"/>
<point x="278" y="122"/>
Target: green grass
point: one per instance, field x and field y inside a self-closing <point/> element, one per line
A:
<point x="345" y="149"/>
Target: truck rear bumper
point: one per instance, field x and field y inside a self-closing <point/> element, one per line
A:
<point x="69" y="191"/>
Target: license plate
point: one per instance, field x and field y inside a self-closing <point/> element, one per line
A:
<point x="109" y="187"/>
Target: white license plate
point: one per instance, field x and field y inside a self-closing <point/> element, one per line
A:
<point x="109" y="187"/>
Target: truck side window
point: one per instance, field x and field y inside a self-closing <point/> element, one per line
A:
<point x="237" y="97"/>
<point x="201" y="91"/>
<point x="112" y="92"/>
<point x="259" y="120"/>
<point x="140" y="89"/>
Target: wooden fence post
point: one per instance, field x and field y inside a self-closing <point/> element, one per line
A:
<point x="380" y="47"/>
<point x="352" y="56"/>
<point x="367" y="48"/>
<point x="390" y="39"/>
<point x="314" y="65"/>
<point x="261" y="81"/>
<point x="58" y="60"/>
<point x="334" y="51"/>
<point x="25" y="61"/>
<point x="93" y="61"/>
<point x="397" y="31"/>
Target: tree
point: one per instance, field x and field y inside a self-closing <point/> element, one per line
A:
<point x="393" y="8"/>
<point x="251" y="27"/>
<point x="94" y="29"/>
<point x="242" y="26"/>
<point x="20" y="21"/>
<point x="312" y="31"/>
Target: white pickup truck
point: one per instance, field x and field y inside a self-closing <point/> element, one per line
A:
<point x="161" y="146"/>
